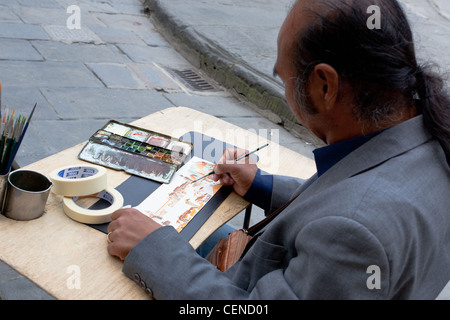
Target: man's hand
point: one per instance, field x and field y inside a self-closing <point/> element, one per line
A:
<point x="239" y="174"/>
<point x="127" y="228"/>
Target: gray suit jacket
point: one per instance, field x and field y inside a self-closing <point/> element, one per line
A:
<point x="374" y="226"/>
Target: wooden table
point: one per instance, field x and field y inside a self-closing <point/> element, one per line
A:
<point x="54" y="250"/>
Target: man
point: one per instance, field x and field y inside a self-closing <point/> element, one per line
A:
<point x="373" y="223"/>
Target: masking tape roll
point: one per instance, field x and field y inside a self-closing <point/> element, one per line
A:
<point x="73" y="181"/>
<point x="77" y="213"/>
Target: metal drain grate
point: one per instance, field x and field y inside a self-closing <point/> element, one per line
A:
<point x="63" y="34"/>
<point x="192" y="80"/>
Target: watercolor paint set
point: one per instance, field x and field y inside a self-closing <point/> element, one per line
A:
<point x="137" y="151"/>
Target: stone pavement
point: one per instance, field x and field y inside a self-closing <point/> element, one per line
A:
<point x="113" y="68"/>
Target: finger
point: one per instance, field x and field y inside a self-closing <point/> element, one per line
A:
<point x="114" y="224"/>
<point x="227" y="180"/>
<point x="116" y="214"/>
<point x="221" y="171"/>
<point x="223" y="177"/>
<point x="225" y="156"/>
<point x="215" y="177"/>
<point x="120" y="212"/>
<point x="229" y="169"/>
<point x="114" y="250"/>
<point x="111" y="226"/>
<point x="109" y="237"/>
<point x="117" y="245"/>
<point x="230" y="154"/>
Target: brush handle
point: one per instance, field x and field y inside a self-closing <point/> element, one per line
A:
<point x="207" y="175"/>
<point x="15" y="149"/>
<point x="246" y="155"/>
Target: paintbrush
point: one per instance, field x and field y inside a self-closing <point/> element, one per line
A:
<point x="7" y="143"/>
<point x="17" y="130"/>
<point x="6" y="140"/>
<point x="206" y="175"/>
<point x="3" y="130"/>
<point x="17" y="145"/>
<point x="240" y="158"/>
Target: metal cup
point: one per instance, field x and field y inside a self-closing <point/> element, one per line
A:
<point x="26" y="195"/>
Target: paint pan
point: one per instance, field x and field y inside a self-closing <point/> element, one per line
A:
<point x="135" y="150"/>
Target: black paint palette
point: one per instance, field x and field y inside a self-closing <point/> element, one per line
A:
<point x="137" y="151"/>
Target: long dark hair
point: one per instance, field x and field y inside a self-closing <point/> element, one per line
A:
<point x="379" y="64"/>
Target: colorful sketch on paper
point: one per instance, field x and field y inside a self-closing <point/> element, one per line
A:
<point x="179" y="201"/>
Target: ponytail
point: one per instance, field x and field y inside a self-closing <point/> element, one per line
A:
<point x="434" y="103"/>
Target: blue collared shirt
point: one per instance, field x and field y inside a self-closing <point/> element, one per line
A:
<point x="260" y="192"/>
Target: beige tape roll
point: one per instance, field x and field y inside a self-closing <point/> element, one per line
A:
<point x="73" y="181"/>
<point x="77" y="213"/>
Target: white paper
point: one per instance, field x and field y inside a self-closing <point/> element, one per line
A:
<point x="179" y="201"/>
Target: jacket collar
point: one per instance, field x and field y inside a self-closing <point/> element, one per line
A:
<point x="384" y="146"/>
<point x="327" y="157"/>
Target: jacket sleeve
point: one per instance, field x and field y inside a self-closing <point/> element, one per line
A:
<point x="332" y="262"/>
<point x="169" y="268"/>
<point x="270" y="192"/>
<point x="284" y="188"/>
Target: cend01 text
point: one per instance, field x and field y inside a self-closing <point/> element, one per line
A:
<point x="246" y="309"/>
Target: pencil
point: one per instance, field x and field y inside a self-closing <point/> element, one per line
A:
<point x="240" y="158"/>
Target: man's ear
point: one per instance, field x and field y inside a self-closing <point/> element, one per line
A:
<point x="324" y="87"/>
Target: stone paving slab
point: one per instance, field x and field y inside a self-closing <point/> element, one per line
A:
<point x="78" y="52"/>
<point x="22" y="99"/>
<point x="8" y="15"/>
<point x="40" y="3"/>
<point x="22" y="31"/>
<point x="114" y="75"/>
<point x="47" y="74"/>
<point x="149" y="55"/>
<point x="155" y="78"/>
<point x="18" y="49"/>
<point x="115" y="35"/>
<point x="101" y="103"/>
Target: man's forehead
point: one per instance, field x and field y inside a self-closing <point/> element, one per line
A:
<point x="291" y="26"/>
<point x="286" y="37"/>
<point x="294" y="14"/>
<point x="296" y="19"/>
